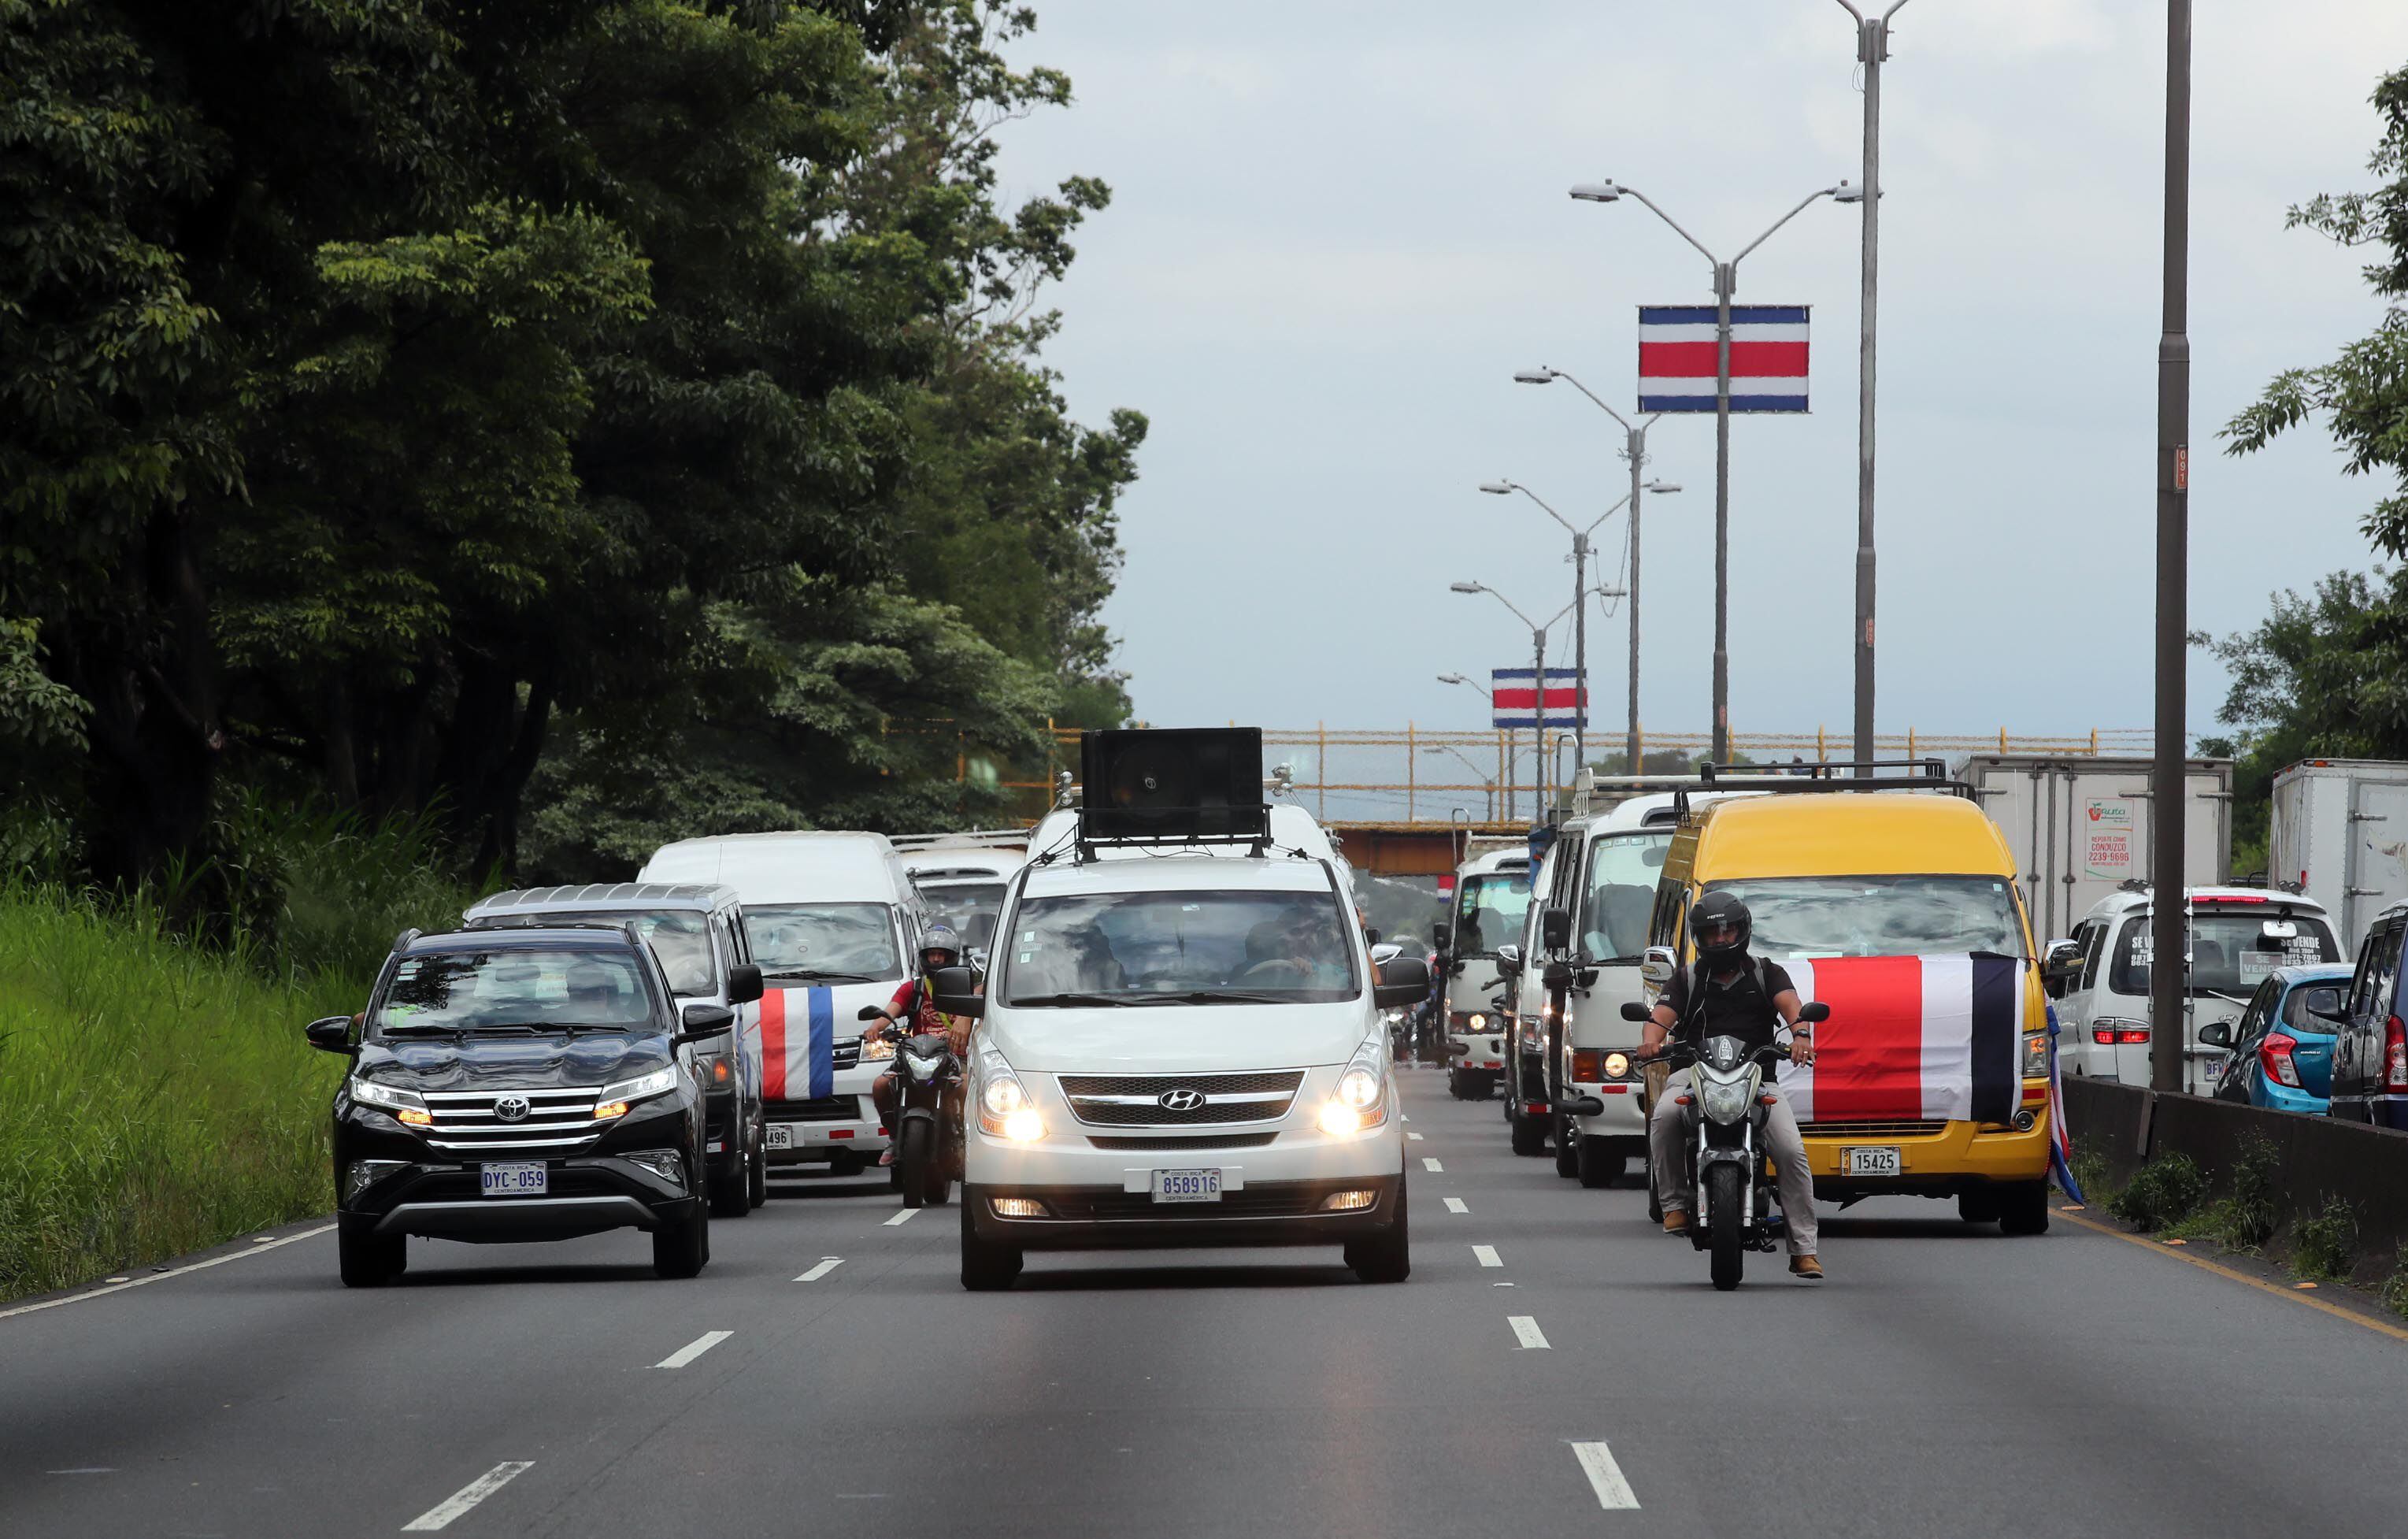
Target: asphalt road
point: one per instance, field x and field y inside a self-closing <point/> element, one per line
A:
<point x="1944" y="1381"/>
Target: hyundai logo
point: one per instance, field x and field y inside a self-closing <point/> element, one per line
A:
<point x="1180" y="1100"/>
<point x="512" y="1109"/>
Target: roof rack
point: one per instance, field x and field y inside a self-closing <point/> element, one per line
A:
<point x="1923" y="774"/>
<point x="967" y="839"/>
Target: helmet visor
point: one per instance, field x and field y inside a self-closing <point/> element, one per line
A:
<point x="1718" y="931"/>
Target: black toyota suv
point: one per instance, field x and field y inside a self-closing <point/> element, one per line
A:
<point x="519" y="1085"/>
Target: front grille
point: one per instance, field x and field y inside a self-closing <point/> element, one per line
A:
<point x="845" y="1052"/>
<point x="1872" y="1130"/>
<point x="1206" y="1141"/>
<point x="825" y="1109"/>
<point x="467" y="1121"/>
<point x="1286" y="1200"/>
<point x="1134" y="1101"/>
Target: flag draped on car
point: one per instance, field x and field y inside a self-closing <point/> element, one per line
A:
<point x="1911" y="1039"/>
<point x="798" y="1044"/>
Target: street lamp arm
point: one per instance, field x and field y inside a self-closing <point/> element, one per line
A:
<point x="1593" y="397"/>
<point x="1894" y="10"/>
<point x="1851" y="10"/>
<point x="1483" y="587"/>
<point x="1820" y="192"/>
<point x="1542" y="502"/>
<point x="1633" y="192"/>
<point x="1619" y="503"/>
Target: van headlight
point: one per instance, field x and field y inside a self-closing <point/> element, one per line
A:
<point x="879" y="1048"/>
<point x="1361" y="1098"/>
<point x="615" y="1099"/>
<point x="2035" y="1055"/>
<point x="1005" y="1109"/>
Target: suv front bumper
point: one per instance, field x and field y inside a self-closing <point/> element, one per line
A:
<point x="589" y="1194"/>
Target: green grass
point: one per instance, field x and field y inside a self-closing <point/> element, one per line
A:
<point x="2167" y="1190"/>
<point x="2395" y="1288"/>
<point x="2324" y="1248"/>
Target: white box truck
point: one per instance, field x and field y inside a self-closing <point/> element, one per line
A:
<point x="2080" y="827"/>
<point x="2339" y="836"/>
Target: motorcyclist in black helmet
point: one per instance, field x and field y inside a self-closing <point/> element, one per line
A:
<point x="1730" y="994"/>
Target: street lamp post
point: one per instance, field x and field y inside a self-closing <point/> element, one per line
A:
<point x="1466" y="680"/>
<point x="1487" y="787"/>
<point x="1580" y="587"/>
<point x="1872" y="46"/>
<point x="1725" y="282"/>
<point x="1635" y="450"/>
<point x="1538" y="789"/>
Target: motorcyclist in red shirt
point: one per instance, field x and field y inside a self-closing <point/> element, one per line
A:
<point x="914" y="1008"/>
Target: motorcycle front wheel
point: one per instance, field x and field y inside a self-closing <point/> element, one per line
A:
<point x="911" y="1162"/>
<point x="1728" y="1259"/>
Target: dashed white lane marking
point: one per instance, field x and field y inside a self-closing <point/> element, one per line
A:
<point x="468" y="1496"/>
<point x="827" y="1264"/>
<point x="1430" y="1164"/>
<point x="1487" y="1254"/>
<point x="1604" y="1476"/>
<point x="694" y="1349"/>
<point x="903" y="1217"/>
<point x="1455" y="1204"/>
<point x="1415" y="1137"/>
<point x="259" y="1247"/>
<point x="1526" y="1332"/>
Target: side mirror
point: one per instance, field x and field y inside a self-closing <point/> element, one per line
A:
<point x="2215" y="1034"/>
<point x="706" y="1021"/>
<point x="1814" y="1013"/>
<point x="955" y="989"/>
<point x="1556" y="928"/>
<point x="1401" y="980"/>
<point x="1441" y="935"/>
<point x="744" y="983"/>
<point x="1508" y="959"/>
<point x="332" y="1034"/>
<point x="1634" y="1011"/>
<point x="1558" y="975"/>
<point x="1658" y="966"/>
<point x="2062" y="959"/>
<point x="867" y="1012"/>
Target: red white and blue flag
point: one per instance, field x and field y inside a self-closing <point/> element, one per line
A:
<point x="1514" y="699"/>
<point x="798" y="1043"/>
<point x="1679" y="362"/>
<point x="1911" y="1039"/>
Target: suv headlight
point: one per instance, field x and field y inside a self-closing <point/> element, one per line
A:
<point x="1005" y="1110"/>
<point x="1361" y="1098"/>
<point x="615" y="1098"/>
<point x="408" y="1107"/>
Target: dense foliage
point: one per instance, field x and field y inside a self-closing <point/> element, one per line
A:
<point x="405" y="404"/>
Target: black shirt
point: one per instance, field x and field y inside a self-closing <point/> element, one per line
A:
<point x="1739" y="1008"/>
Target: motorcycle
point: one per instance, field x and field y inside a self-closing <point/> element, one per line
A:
<point x="1725" y="1106"/>
<point x="926" y="1132"/>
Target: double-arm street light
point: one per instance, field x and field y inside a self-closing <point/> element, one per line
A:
<point x="1538" y="679"/>
<point x="1725" y="282"/>
<point x="1487" y="787"/>
<point x="1580" y="586"/>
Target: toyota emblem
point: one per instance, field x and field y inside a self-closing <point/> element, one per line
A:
<point x="1180" y="1100"/>
<point x="513" y="1108"/>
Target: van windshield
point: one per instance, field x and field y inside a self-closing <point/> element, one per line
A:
<point x="969" y="906"/>
<point x="512" y="990"/>
<point x="680" y="937"/>
<point x="1812" y="916"/>
<point x="823" y="943"/>
<point x="1191" y="947"/>
<point x="2231" y="952"/>
<point x="1489" y="911"/>
<point x="1622" y="870"/>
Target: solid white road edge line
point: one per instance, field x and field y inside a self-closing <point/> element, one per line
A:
<point x="827" y="1264"/>
<point x="258" y="1248"/>
<point x="901" y="1217"/>
<point x="1455" y="1204"/>
<point x="1430" y="1164"/>
<point x="1526" y="1332"/>
<point x="694" y="1349"/>
<point x="1487" y="1256"/>
<point x="1604" y="1476"/>
<point x="486" y="1484"/>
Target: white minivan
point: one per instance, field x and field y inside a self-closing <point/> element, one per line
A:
<point x="1480" y="948"/>
<point x="2100" y="974"/>
<point x="835" y="925"/>
<point x="961" y="879"/>
<point x="1180" y="1045"/>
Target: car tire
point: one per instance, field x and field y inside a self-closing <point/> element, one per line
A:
<point x="370" y="1260"/>
<point x="1600" y="1166"/>
<point x="1529" y="1137"/>
<point x="757" y="1176"/>
<point x="1567" y="1145"/>
<point x="1978" y="1205"/>
<point x="846" y="1163"/>
<point x="987" y="1266"/>
<point x="1387" y="1257"/>
<point x="731" y="1195"/>
<point x="2023" y="1208"/>
<point x="683" y="1249"/>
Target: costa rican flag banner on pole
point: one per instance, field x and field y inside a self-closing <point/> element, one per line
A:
<point x="1512" y="699"/>
<point x="1911" y="1039"/>
<point x="1677" y="361"/>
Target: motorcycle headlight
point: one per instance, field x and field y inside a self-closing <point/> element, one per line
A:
<point x="615" y="1099"/>
<point x="920" y="1068"/>
<point x="878" y="1051"/>
<point x="408" y="1107"/>
<point x="1725" y="1100"/>
<point x="1005" y="1110"/>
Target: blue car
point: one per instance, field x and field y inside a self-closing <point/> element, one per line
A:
<point x="2283" y="1043"/>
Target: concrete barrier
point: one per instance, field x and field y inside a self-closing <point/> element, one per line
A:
<point x="2365" y="1167"/>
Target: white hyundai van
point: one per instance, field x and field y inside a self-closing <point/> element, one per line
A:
<point x="834" y="925"/>
<point x="1180" y="1041"/>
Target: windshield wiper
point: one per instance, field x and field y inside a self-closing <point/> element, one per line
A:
<point x="1228" y="996"/>
<point x="815" y="975"/>
<point x="405" y="1029"/>
<point x="1018" y="1001"/>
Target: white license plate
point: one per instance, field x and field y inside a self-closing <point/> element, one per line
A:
<point x="1870" y="1161"/>
<point x="1187" y="1185"/>
<point x="781" y="1135"/>
<point x="517" y="1180"/>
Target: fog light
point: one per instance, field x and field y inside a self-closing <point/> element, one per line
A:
<point x="665" y="1163"/>
<point x="1349" y="1201"/>
<point x="2024" y="1121"/>
<point x="362" y="1173"/>
<point x="1017" y="1207"/>
<point x="718" y="1070"/>
<point x="1336" y="1117"/>
<point x="1023" y="1126"/>
<point x="414" y="1119"/>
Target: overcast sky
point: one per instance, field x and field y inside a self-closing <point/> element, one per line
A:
<point x="1339" y="228"/>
